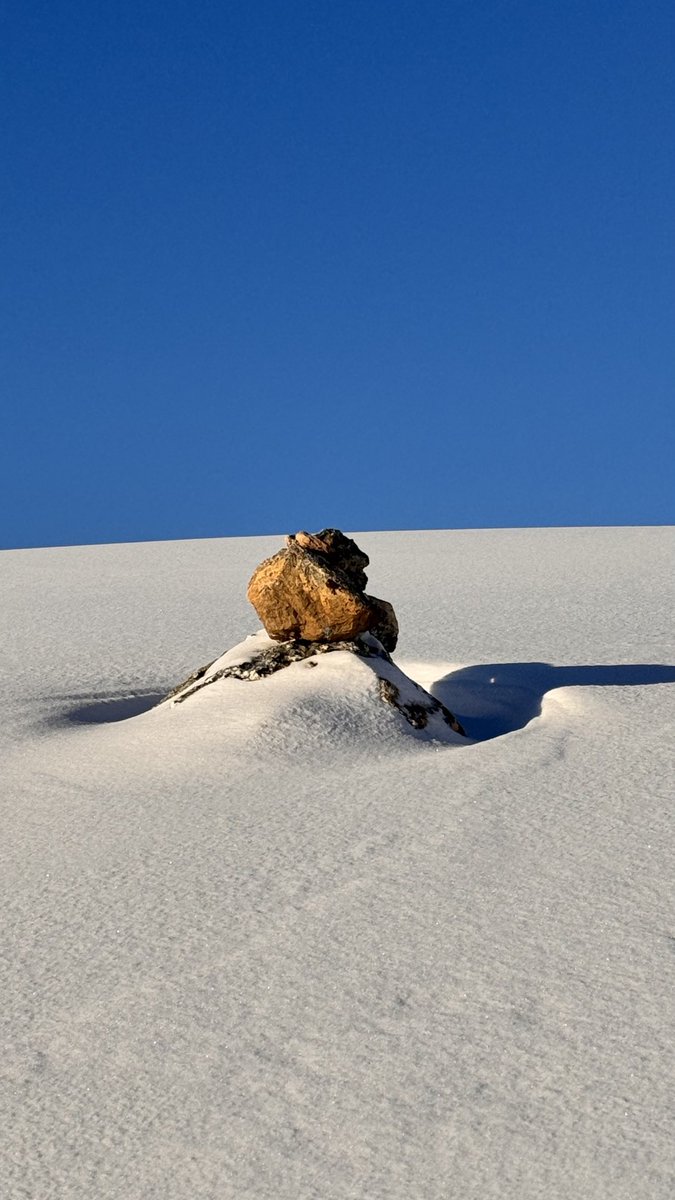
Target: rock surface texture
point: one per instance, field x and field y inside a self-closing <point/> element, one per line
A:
<point x="314" y="591"/>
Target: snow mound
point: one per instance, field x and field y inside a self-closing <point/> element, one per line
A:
<point x="319" y="695"/>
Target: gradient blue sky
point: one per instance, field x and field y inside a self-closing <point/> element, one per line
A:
<point x="380" y="265"/>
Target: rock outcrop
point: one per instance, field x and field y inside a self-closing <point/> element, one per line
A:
<point x="314" y="591"/>
<point x="312" y="601"/>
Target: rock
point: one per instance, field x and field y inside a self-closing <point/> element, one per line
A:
<point x="419" y="709"/>
<point x="311" y="598"/>
<point x="313" y="591"/>
<point x="337" y="549"/>
<point x="385" y="625"/>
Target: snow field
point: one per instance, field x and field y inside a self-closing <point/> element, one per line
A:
<point x="273" y="945"/>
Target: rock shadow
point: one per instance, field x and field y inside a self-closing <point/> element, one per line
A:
<point x="497" y="698"/>
<point x="106" y="708"/>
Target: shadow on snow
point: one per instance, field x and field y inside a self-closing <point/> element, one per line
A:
<point x="496" y="698"/>
<point x="105" y="708"/>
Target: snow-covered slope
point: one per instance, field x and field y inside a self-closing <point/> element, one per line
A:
<point x="286" y="947"/>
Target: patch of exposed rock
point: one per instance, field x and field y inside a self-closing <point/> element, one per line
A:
<point x="314" y="591"/>
<point x="418" y="709"/>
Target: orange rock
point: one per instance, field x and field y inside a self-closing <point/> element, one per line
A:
<point x="311" y="592"/>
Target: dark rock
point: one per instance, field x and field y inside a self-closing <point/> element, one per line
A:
<point x="337" y="550"/>
<point x="418" y="711"/>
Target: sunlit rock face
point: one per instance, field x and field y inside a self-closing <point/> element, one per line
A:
<point x="314" y="591"/>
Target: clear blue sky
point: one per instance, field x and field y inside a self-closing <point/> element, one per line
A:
<point x="272" y="265"/>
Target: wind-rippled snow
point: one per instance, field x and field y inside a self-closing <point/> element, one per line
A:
<point x="301" y="953"/>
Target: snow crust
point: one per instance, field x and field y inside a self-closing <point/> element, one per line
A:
<point x="282" y="947"/>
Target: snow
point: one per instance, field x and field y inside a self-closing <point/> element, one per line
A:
<point x="272" y="943"/>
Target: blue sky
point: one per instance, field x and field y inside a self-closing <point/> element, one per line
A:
<point x="379" y="265"/>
